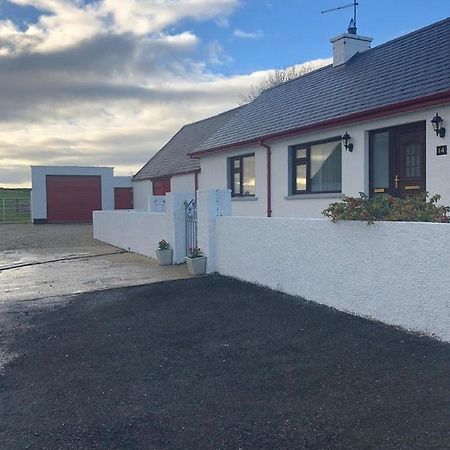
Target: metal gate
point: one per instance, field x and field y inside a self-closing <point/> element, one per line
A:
<point x="190" y="215"/>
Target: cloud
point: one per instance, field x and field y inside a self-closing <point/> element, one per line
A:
<point x="255" y="35"/>
<point x="65" y="23"/>
<point x="222" y="22"/>
<point x="107" y="82"/>
<point x="217" y="54"/>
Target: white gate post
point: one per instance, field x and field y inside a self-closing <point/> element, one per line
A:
<point x="210" y="205"/>
<point x="177" y="226"/>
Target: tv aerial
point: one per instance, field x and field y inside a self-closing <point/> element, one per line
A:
<point x="354" y="5"/>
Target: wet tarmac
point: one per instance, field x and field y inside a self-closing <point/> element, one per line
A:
<point x="60" y="260"/>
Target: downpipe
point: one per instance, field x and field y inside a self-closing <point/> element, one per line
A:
<point x="269" y="177"/>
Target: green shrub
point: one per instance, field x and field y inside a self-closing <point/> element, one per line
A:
<point x="195" y="252"/>
<point x="416" y="208"/>
<point x="163" y="245"/>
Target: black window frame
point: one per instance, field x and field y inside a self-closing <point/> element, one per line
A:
<point x="240" y="170"/>
<point x="306" y="161"/>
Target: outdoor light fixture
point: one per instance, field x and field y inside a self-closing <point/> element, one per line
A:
<point x="437" y="122"/>
<point x="346" y="138"/>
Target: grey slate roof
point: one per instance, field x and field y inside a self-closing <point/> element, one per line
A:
<point x="173" y="158"/>
<point x="409" y="67"/>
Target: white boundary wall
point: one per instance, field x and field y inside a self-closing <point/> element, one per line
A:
<point x="140" y="231"/>
<point x="397" y="273"/>
<point x="135" y="231"/>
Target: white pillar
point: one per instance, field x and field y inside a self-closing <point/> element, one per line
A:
<point x="210" y="205"/>
<point x="176" y="222"/>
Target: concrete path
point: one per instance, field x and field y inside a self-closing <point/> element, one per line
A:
<point x="40" y="261"/>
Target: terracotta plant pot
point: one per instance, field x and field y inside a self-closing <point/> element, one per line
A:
<point x="196" y="266"/>
<point x="164" y="257"/>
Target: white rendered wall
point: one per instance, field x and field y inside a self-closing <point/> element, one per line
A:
<point x="214" y="176"/>
<point x="438" y="167"/>
<point x="142" y="190"/>
<point x="157" y="203"/>
<point x="182" y="183"/>
<point x="39" y="186"/>
<point x="122" y="182"/>
<point x="355" y="167"/>
<point x="393" y="272"/>
<point x="140" y="231"/>
<point x="135" y="231"/>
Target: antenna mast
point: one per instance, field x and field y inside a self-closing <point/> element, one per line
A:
<point x="352" y="25"/>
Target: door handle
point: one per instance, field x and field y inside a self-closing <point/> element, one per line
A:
<point x="396" y="180"/>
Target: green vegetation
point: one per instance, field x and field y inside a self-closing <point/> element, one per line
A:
<point x="15" y="205"/>
<point x="163" y="245"/>
<point x="416" y="208"/>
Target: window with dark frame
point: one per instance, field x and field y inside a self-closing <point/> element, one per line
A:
<point x="242" y="175"/>
<point x="317" y="167"/>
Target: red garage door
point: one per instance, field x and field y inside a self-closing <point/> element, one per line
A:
<point x="73" y="198"/>
<point x="123" y="198"/>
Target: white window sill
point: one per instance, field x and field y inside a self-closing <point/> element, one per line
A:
<point x="244" y="199"/>
<point x="313" y="196"/>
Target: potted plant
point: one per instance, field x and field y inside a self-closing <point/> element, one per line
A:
<point x="164" y="253"/>
<point x="196" y="261"/>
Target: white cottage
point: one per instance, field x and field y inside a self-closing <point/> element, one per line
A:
<point x="373" y="122"/>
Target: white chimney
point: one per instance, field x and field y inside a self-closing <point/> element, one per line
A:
<point x="349" y="44"/>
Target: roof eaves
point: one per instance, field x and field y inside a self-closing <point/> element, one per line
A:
<point x="437" y="98"/>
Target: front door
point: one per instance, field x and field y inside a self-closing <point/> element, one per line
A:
<point x="397" y="160"/>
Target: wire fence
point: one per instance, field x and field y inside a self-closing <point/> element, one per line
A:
<point x="15" y="210"/>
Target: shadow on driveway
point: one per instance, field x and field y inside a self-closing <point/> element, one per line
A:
<point x="213" y="363"/>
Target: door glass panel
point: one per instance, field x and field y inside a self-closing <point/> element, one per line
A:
<point x="301" y="178"/>
<point x="249" y="181"/>
<point x="326" y="167"/>
<point x="380" y="160"/>
<point x="412" y="160"/>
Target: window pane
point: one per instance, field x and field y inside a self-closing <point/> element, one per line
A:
<point x="412" y="160"/>
<point x="249" y="182"/>
<point x="236" y="163"/>
<point x="300" y="180"/>
<point x="301" y="153"/>
<point x="326" y="167"/>
<point x="236" y="183"/>
<point x="380" y="160"/>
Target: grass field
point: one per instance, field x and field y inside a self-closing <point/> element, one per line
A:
<point x="15" y="205"/>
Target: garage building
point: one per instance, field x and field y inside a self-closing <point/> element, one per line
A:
<point x="67" y="194"/>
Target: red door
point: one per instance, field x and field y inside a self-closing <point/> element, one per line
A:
<point x="161" y="186"/>
<point x="123" y="198"/>
<point x="73" y="198"/>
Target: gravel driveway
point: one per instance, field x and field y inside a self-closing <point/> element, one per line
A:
<point x="39" y="261"/>
<point x="213" y="363"/>
<point x="27" y="236"/>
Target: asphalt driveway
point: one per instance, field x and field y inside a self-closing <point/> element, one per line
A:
<point x="213" y="363"/>
<point x="39" y="261"/>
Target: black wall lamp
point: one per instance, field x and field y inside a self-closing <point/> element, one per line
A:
<point x="346" y="138"/>
<point x="437" y="122"/>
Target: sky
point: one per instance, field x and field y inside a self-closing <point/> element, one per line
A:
<point x="108" y="82"/>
